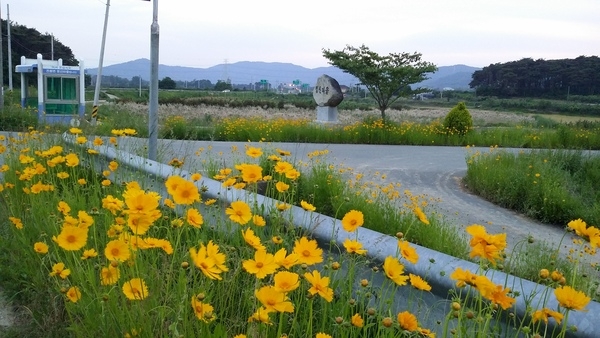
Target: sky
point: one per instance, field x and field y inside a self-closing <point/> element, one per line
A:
<point x="202" y="34"/>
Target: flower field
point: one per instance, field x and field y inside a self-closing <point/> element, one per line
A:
<point x="111" y="254"/>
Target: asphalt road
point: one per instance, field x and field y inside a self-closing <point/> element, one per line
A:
<point x="431" y="170"/>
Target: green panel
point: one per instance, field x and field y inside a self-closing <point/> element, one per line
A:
<point x="61" y="109"/>
<point x="53" y="88"/>
<point x="69" y="89"/>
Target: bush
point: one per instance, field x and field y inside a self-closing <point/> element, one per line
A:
<point x="459" y="119"/>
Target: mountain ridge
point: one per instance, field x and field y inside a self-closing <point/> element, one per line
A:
<point x="249" y="72"/>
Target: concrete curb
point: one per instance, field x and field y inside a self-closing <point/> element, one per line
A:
<point x="327" y="229"/>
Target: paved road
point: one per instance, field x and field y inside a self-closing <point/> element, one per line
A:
<point x="434" y="171"/>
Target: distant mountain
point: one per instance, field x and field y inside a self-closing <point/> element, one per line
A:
<point x="246" y="72"/>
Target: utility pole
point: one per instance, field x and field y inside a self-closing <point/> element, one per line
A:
<point x="153" y="111"/>
<point x="52" y="47"/>
<point x="99" y="73"/>
<point x="10" y="72"/>
<point x="1" y="70"/>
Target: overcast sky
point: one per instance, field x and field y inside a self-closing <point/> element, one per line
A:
<point x="202" y="34"/>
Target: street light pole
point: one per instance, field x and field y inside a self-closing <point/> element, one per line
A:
<point x="99" y="73"/>
<point x="153" y="105"/>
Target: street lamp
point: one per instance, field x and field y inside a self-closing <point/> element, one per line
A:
<point x="153" y="105"/>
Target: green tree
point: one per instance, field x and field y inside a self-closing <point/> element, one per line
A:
<point x="222" y="85"/>
<point x="167" y="83"/>
<point x="386" y="77"/>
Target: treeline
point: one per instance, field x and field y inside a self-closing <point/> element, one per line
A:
<point x="539" y="78"/>
<point x="28" y="42"/>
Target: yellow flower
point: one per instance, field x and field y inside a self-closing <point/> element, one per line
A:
<point x="98" y="141"/>
<point x="286" y="281"/>
<point x="308" y="251"/>
<point x="277" y="239"/>
<point x="81" y="140"/>
<point x="40" y="247"/>
<point x="281" y="186"/>
<point x="408" y="252"/>
<point x="112" y="204"/>
<point x="273" y="300"/>
<point x="73" y="294"/>
<point x="545" y="313"/>
<point x="239" y="212"/>
<point x="117" y="250"/>
<point x="354" y="247"/>
<point x="75" y="131"/>
<point x="319" y="285"/>
<point x="282" y="167"/>
<point x="463" y="277"/>
<point x="62" y="175"/>
<point x="284" y="260"/>
<point x="570" y="298"/>
<point x="419" y="283"/>
<point x="307" y="206"/>
<point x="72" y="160"/>
<point x="352" y="220"/>
<point x="194" y="218"/>
<point x="113" y="165"/>
<point x="292" y="174"/>
<point x="59" y="270"/>
<point x="89" y="253"/>
<point x="252" y="240"/>
<point x="209" y="260"/>
<point x="484" y="245"/>
<point x="259" y="221"/>
<point x="203" y="311"/>
<point x="81" y="181"/>
<point x="262" y="265"/>
<point x="407" y="321"/>
<point x="499" y="295"/>
<point x="139" y="223"/>
<point x="186" y="193"/>
<point x="357" y="320"/>
<point x="251" y="173"/>
<point x="16" y="222"/>
<point x="253" y="152"/>
<point x="394" y="270"/>
<point x="322" y="335"/>
<point x="420" y="215"/>
<point x="196" y="177"/>
<point x="135" y="289"/>
<point x="71" y="238"/>
<point x="282" y="206"/>
<point x="105" y="183"/>
<point x="109" y="275"/>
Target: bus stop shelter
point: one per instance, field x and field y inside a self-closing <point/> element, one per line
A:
<point x="60" y="90"/>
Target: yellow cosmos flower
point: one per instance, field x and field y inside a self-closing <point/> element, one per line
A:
<point x="284" y="260"/>
<point x="357" y="320"/>
<point x="186" y="193"/>
<point x="209" y="260"/>
<point x="259" y="221"/>
<point x="420" y="215"/>
<point x="98" y="141"/>
<point x="282" y="167"/>
<point x="262" y="265"/>
<point x="112" y="204"/>
<point x="75" y="131"/>
<point x="322" y="335"/>
<point x="73" y="294"/>
<point x="355" y="247"/>
<point x="292" y="174"/>
<point x="194" y="218"/>
<point x="408" y="252"/>
<point x="81" y="181"/>
<point x="419" y="283"/>
<point x="81" y="140"/>
<point x="319" y="285"/>
<point x="407" y="321"/>
<point x="16" y="222"/>
<point x="203" y="311"/>
<point x="113" y="165"/>
<point x="109" y="275"/>
<point x="59" y="270"/>
<point x="308" y="251"/>
<point x="210" y="201"/>
<point x="62" y="175"/>
<point x="546" y="313"/>
<point x="196" y="177"/>
<point x="484" y="245"/>
<point x="282" y="206"/>
<point x="352" y="220"/>
<point x="286" y="281"/>
<point x="106" y="183"/>
<point x="40" y="247"/>
<point x="239" y="212"/>
<point x="252" y="240"/>
<point x="117" y="250"/>
<point x="394" y="270"/>
<point x="251" y="173"/>
<point x="71" y="238"/>
<point x="281" y="186"/>
<point x="307" y="206"/>
<point x="93" y="152"/>
<point x="570" y="298"/>
<point x="135" y="289"/>
<point x="273" y="300"/>
<point x="89" y="253"/>
<point x="253" y="152"/>
<point x="72" y="160"/>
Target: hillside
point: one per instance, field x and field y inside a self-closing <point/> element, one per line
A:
<point x="246" y="72"/>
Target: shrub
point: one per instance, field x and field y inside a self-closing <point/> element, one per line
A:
<point x="459" y="119"/>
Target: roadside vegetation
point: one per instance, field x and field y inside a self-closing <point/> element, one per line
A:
<point x="101" y="254"/>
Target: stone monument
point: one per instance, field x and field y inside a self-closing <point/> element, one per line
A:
<point x="328" y="95"/>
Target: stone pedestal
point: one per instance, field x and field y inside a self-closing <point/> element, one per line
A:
<point x="327" y="114"/>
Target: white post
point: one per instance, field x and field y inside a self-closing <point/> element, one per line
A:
<point x="153" y="106"/>
<point x="81" y="89"/>
<point x="99" y="73"/>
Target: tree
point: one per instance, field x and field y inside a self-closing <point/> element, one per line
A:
<point x="386" y="77"/>
<point x="167" y="83"/>
<point x="222" y="85"/>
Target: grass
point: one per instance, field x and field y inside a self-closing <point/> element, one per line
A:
<point x="552" y="186"/>
<point x="194" y="295"/>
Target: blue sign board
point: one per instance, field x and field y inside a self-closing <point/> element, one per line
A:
<point x="61" y="71"/>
